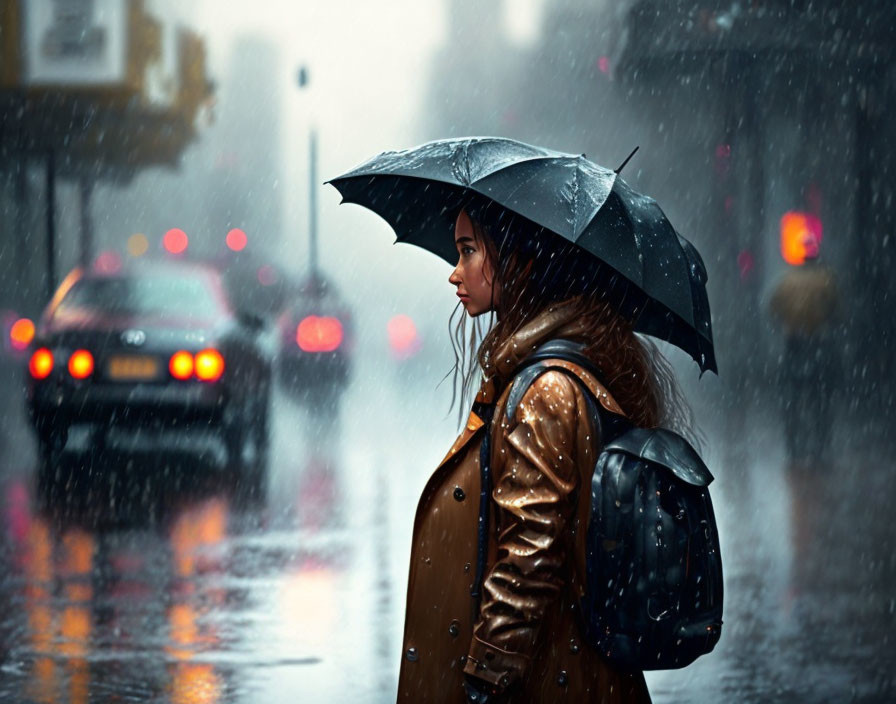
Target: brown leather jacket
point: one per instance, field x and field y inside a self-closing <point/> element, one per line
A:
<point x="524" y="639"/>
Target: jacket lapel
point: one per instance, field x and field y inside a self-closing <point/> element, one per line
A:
<point x="474" y="423"/>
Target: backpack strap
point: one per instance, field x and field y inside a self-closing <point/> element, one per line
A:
<point x="560" y="355"/>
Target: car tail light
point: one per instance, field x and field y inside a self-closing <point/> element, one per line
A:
<point x="209" y="365"/>
<point x="80" y="364"/>
<point x="181" y="365"/>
<point x="319" y="334"/>
<point x="41" y="363"/>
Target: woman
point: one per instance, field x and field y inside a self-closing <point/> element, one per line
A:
<point x="521" y="642"/>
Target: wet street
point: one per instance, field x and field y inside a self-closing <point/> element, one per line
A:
<point x="150" y="576"/>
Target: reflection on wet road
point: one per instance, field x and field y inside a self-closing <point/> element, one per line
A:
<point x="178" y="588"/>
<point x="149" y="576"/>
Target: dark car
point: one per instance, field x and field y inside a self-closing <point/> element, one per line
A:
<point x="157" y="346"/>
<point x="316" y="343"/>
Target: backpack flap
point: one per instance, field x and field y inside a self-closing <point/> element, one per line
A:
<point x="665" y="448"/>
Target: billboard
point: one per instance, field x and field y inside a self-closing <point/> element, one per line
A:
<point x="74" y="42"/>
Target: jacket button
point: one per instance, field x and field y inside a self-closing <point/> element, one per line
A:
<point x="573" y="646"/>
<point x="411" y="655"/>
<point x="562" y="678"/>
<point x="504" y="681"/>
<point x="462" y="659"/>
<point x="459" y="494"/>
<point x="454" y="628"/>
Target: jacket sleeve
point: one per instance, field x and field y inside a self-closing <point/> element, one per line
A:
<point x="534" y="489"/>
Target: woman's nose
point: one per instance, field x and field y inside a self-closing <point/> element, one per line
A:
<point x="454" y="278"/>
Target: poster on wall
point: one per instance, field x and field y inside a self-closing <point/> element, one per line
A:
<point x="74" y="43"/>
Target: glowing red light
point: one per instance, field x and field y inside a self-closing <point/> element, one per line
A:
<point x="801" y="235"/>
<point x="209" y="365"/>
<point x="181" y="365"/>
<point x="80" y="364"/>
<point x="603" y="64"/>
<point x="319" y="334"/>
<point x="267" y="275"/>
<point x="41" y="363"/>
<point x="745" y="264"/>
<point x="236" y="239"/>
<point x="175" y="241"/>
<point x="107" y="262"/>
<point x="21" y="333"/>
<point x="403" y="338"/>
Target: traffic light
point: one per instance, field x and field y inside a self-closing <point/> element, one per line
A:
<point x="800" y="236"/>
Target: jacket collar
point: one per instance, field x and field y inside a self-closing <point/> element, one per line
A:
<point x="558" y="320"/>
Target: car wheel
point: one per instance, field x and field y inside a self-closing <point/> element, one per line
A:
<point x="247" y="446"/>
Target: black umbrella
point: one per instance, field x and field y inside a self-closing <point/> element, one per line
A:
<point x="419" y="192"/>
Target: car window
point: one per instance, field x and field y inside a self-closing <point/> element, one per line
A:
<point x="143" y="295"/>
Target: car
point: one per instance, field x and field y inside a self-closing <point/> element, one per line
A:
<point x="316" y="343"/>
<point x="157" y="345"/>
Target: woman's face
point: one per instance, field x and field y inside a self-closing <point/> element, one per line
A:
<point x="473" y="274"/>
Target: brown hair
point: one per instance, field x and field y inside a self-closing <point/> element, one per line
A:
<point x="534" y="268"/>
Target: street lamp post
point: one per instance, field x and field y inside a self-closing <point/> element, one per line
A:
<point x="303" y="80"/>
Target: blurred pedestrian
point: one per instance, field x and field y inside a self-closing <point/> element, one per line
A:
<point x="804" y="305"/>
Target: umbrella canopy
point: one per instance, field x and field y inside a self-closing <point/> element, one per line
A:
<point x="419" y="192"/>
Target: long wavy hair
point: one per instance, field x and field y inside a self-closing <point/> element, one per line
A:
<point x="534" y="268"/>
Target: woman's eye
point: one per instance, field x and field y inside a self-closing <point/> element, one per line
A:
<point x="466" y="250"/>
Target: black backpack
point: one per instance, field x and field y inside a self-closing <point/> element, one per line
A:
<point x="653" y="593"/>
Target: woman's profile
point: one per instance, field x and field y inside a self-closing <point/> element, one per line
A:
<point x="518" y="639"/>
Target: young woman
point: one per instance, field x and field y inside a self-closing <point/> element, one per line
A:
<point x="520" y="640"/>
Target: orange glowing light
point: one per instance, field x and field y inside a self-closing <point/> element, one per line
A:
<point x="800" y="235"/>
<point x="181" y="365"/>
<point x="209" y="365"/>
<point x="21" y="333"/>
<point x="236" y="239"/>
<point x="175" y="241"/>
<point x="138" y="245"/>
<point x="319" y="334"/>
<point x="80" y="364"/>
<point x="41" y="363"/>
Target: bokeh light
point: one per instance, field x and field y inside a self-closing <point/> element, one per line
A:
<point x="800" y="237"/>
<point x="21" y="333"/>
<point x="175" y="241"/>
<point x="236" y="239"/>
<point x="404" y="341"/>
<point x="138" y="245"/>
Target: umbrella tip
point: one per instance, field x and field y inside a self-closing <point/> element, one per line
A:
<point x="627" y="159"/>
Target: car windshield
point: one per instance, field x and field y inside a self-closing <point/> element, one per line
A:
<point x="143" y="295"/>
